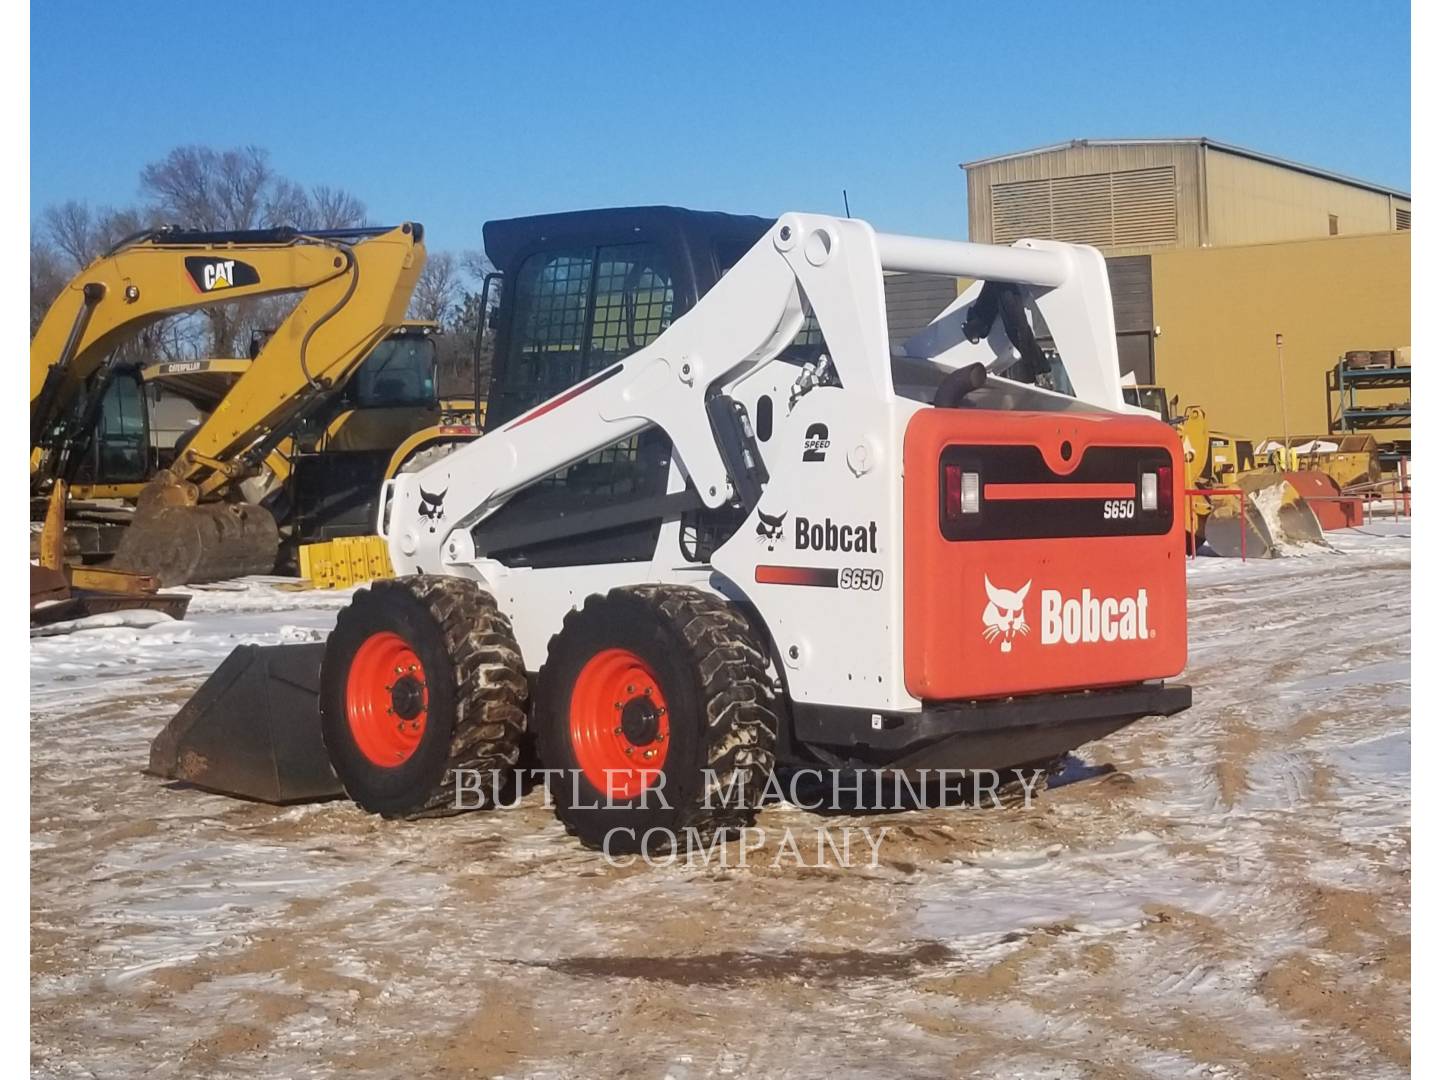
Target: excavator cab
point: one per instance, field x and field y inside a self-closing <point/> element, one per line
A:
<point x="391" y="393"/>
<point x="366" y="432"/>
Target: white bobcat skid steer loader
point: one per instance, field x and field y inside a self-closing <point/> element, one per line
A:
<point x="717" y="524"/>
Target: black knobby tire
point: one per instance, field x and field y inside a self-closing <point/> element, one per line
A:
<point x="475" y="695"/>
<point x="711" y="669"/>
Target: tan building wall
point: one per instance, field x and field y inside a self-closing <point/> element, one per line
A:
<point x="1255" y="202"/>
<point x="1095" y="161"/>
<point x="1139" y="196"/>
<point x="1218" y="311"/>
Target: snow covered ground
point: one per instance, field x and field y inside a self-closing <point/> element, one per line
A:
<point x="1232" y="901"/>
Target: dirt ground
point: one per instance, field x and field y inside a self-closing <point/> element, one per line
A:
<point x="1233" y="900"/>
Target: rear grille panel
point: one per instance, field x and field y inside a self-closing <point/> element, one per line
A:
<point x="1023" y="499"/>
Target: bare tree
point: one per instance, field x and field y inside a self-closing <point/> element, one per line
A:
<point x="70" y="236"/>
<point x="476" y="264"/>
<point x="452" y="295"/>
<point x="438" y="288"/>
<point x="112" y="226"/>
<point x="288" y="204"/>
<point x="71" y="228"/>
<point x="197" y="187"/>
<point x="47" y="278"/>
<point x="204" y="188"/>
<point x="332" y="208"/>
<point x="219" y="190"/>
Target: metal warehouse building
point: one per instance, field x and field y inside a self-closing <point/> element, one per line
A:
<point x="1213" y="250"/>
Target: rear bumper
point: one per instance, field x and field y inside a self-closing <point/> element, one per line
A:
<point x="990" y="734"/>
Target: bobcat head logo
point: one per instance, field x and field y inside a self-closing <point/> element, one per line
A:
<point x="771" y="530"/>
<point x="432" y="507"/>
<point x="1004" y="615"/>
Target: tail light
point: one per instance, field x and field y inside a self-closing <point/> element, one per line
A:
<point x="962" y="492"/>
<point x="1156" y="488"/>
<point x="1149" y="491"/>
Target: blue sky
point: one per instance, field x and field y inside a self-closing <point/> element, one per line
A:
<point x="451" y="114"/>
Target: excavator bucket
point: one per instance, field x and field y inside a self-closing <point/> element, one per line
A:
<point x="252" y="729"/>
<point x="180" y="545"/>
<point x="1275" y="518"/>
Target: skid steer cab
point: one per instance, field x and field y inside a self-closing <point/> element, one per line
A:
<point x="720" y="524"/>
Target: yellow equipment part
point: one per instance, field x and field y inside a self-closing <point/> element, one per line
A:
<point x="1347" y="459"/>
<point x="346" y="561"/>
<point x="1276" y="518"/>
<point x="1272" y="515"/>
<point x="354" y="288"/>
<point x="58" y="591"/>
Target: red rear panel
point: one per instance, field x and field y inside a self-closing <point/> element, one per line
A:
<point x="1057" y="577"/>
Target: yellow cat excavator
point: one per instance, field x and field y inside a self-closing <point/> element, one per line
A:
<point x="354" y="285"/>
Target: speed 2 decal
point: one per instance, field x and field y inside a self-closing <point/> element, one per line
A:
<point x="817" y="441"/>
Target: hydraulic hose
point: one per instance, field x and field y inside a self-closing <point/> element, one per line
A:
<point x="354" y="267"/>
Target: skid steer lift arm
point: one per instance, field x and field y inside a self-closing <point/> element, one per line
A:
<point x="834" y="269"/>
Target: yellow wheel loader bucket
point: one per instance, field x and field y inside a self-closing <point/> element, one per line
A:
<point x="1275" y="519"/>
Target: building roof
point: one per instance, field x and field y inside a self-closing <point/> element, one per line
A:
<point x="1228" y="148"/>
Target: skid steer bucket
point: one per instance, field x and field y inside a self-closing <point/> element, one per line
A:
<point x="252" y="729"/>
<point x="1275" y="517"/>
<point x="182" y="545"/>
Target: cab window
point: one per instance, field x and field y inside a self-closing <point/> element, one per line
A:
<point x="1148" y="397"/>
<point x="577" y="312"/>
<point x="398" y="371"/>
<point x="119" y="453"/>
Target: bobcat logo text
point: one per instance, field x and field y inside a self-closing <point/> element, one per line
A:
<point x="1086" y="619"/>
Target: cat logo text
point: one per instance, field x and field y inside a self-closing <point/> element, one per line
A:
<point x="212" y="275"/>
<point x="1076" y="620"/>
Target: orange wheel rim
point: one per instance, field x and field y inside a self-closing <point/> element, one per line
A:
<point x="619" y="724"/>
<point x="386" y="699"/>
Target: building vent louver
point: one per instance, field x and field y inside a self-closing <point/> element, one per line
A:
<point x="1134" y="208"/>
<point x="1402" y="219"/>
